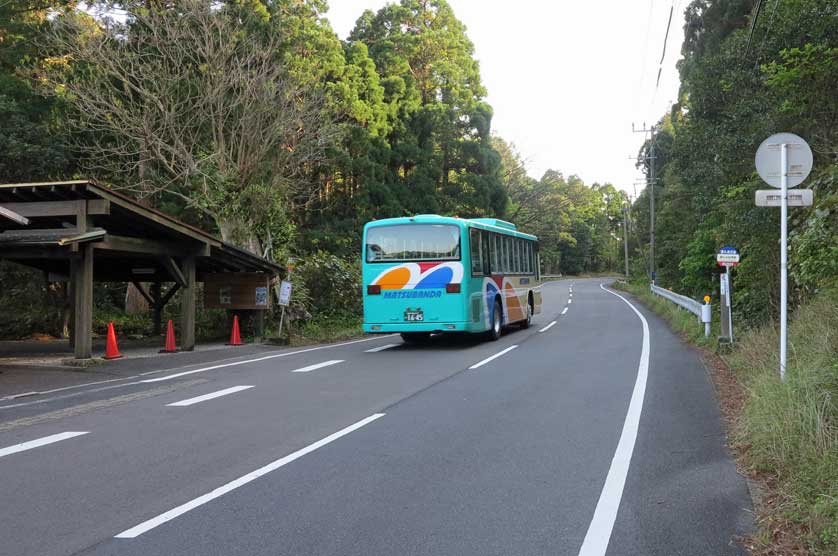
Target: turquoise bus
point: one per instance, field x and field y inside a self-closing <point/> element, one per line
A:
<point x="427" y="273"/>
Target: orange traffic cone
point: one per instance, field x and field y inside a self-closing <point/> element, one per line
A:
<point x="111" y="351"/>
<point x="235" y="336"/>
<point x="171" y="347"/>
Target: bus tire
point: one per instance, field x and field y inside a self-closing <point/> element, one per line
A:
<point x="496" y="325"/>
<point x="415" y="337"/>
<point x="527" y="321"/>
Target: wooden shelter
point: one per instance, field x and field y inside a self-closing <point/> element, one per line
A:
<point x="83" y="232"/>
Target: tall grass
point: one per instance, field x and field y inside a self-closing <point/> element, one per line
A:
<point x="790" y="429"/>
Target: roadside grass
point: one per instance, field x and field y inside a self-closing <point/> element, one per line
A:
<point x="785" y="434"/>
<point x="790" y="430"/>
<point x="326" y="329"/>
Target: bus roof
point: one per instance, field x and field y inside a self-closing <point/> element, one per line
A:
<point x="491" y="224"/>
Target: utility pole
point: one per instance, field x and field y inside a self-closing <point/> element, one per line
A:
<point x="651" y="185"/>
<point x="626" y="240"/>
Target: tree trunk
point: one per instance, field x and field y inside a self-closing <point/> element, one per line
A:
<point x="239" y="234"/>
<point x="135" y="303"/>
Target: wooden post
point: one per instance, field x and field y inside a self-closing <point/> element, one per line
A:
<point x="82" y="280"/>
<point x="260" y="325"/>
<point x="187" y="305"/>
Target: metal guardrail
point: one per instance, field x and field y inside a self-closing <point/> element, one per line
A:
<point x="703" y="312"/>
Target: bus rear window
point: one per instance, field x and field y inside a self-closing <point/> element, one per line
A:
<point x="413" y="242"/>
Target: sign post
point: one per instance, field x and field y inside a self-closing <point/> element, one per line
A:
<point x="727" y="257"/>
<point x="283" y="294"/>
<point x="783" y="160"/>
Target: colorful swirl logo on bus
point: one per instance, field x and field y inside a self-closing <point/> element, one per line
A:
<point x="513" y="301"/>
<point x="418" y="279"/>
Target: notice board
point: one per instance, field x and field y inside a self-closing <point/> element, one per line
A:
<point x="236" y="290"/>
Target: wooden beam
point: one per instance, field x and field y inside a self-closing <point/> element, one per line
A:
<point x="36" y="252"/>
<point x="37" y="209"/>
<point x="171" y="266"/>
<point x="95" y="235"/>
<point x="14" y="216"/>
<point x="143" y="292"/>
<point x="187" y="306"/>
<point x="41" y="183"/>
<point x="169" y="294"/>
<point x="55" y="236"/>
<point x="152" y="247"/>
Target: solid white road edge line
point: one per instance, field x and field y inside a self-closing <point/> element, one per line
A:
<point x="548" y="327"/>
<point x="564" y="310"/>
<point x="318" y="366"/>
<point x="599" y="532"/>
<point x="210" y="396"/>
<point x="265" y="358"/>
<point x="39" y="442"/>
<point x="138" y="530"/>
<point x="380" y="348"/>
<point x="492" y="358"/>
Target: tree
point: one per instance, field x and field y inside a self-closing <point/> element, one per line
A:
<point x="186" y="102"/>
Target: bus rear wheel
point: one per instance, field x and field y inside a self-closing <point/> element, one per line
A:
<point x="415" y="337"/>
<point x="497" y="322"/>
<point x="526" y="322"/>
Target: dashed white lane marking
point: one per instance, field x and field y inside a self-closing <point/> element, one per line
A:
<point x="599" y="532"/>
<point x="548" y="327"/>
<point x="380" y="348"/>
<point x="492" y="358"/>
<point x="265" y="358"/>
<point x="210" y="396"/>
<point x="569" y="301"/>
<point x="318" y="366"/>
<point x="138" y="530"/>
<point x="565" y="310"/>
<point x="22" y="447"/>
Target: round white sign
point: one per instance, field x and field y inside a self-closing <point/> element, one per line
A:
<point x="799" y="159"/>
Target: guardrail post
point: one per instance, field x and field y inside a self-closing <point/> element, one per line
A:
<point x="706" y="317"/>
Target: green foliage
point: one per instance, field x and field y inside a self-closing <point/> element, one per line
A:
<point x="331" y="284"/>
<point x="30" y="305"/>
<point x="729" y="103"/>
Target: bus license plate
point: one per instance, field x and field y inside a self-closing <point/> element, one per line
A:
<point x="414" y="316"/>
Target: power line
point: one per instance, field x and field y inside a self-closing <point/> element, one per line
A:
<point x="767" y="33"/>
<point x="753" y="26"/>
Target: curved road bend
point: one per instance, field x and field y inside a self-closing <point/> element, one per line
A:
<point x="575" y="441"/>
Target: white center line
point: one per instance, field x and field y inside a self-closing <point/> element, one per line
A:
<point x="318" y="366"/>
<point x="548" y="327"/>
<point x="492" y="358"/>
<point x="380" y="348"/>
<point x="564" y="310"/>
<point x="138" y="530"/>
<point x="211" y="396"/>
<point x="39" y="442"/>
<point x="599" y="532"/>
<point x="569" y="301"/>
<point x="265" y="358"/>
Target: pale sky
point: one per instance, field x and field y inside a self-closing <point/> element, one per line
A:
<point x="567" y="78"/>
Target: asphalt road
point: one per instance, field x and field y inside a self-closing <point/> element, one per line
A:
<point x="599" y="434"/>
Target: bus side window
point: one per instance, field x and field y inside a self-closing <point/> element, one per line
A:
<point x="528" y="257"/>
<point x="484" y="240"/>
<point x="497" y="255"/>
<point x="476" y="251"/>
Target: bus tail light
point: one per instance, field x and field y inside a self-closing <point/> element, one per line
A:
<point x="374" y="289"/>
<point x="452" y="288"/>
